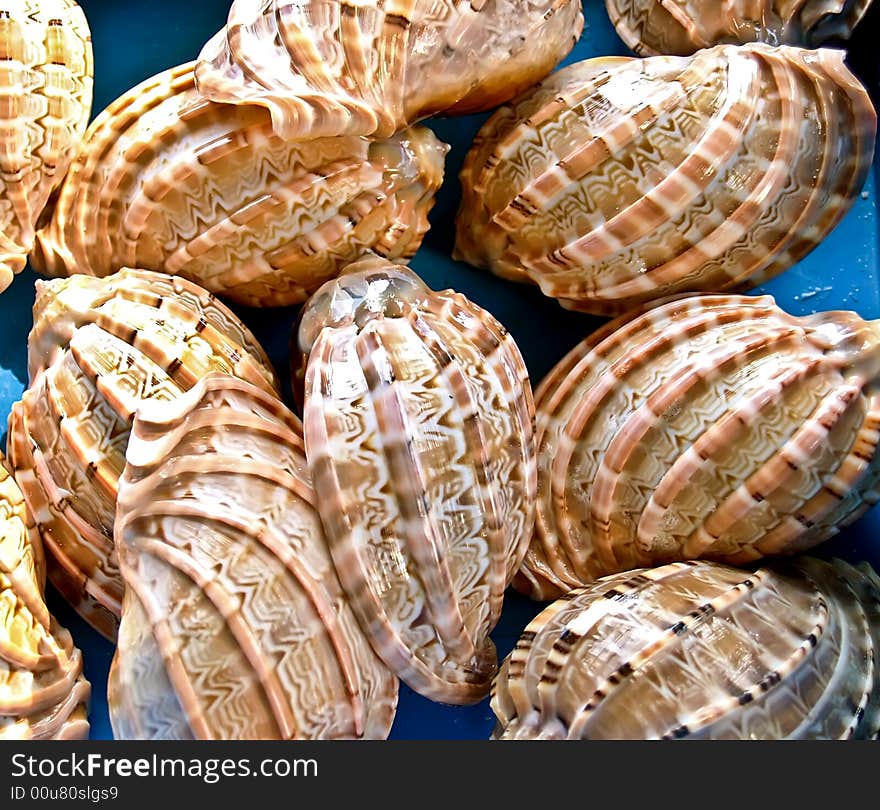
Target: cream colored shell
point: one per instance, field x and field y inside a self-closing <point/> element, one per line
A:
<point x="46" y="91"/>
<point x="618" y="181"/>
<point x="234" y="625"/>
<point x="364" y="67"/>
<point x="701" y="651"/>
<point x="715" y="427"/>
<point x="98" y="348"/>
<point x="168" y="181"/>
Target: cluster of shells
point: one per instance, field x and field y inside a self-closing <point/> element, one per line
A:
<point x="264" y="576"/>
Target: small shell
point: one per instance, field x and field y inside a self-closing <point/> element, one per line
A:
<point x="167" y="181"/>
<point x="43" y="694"/>
<point x="681" y="27"/>
<point x="717" y="427"/>
<point x="701" y="651"/>
<point x="334" y="67"/>
<point x="97" y="349"/>
<point x="46" y="91"/>
<point x="619" y="181"/>
<point x="419" y="435"/>
<point x="234" y="625"/>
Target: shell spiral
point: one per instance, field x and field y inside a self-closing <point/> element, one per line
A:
<point x="681" y="27"/>
<point x="98" y="348"/>
<point x="714" y="427"/>
<point x="418" y="425"/>
<point x="701" y="651"/>
<point x="46" y="87"/>
<point x="618" y="181"/>
<point x="364" y="67"/>
<point x="43" y="694"/>
<point x="170" y="182"/>
<point x="234" y="624"/>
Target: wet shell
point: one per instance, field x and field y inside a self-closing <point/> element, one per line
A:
<point x="620" y="180"/>
<point x="43" y="694"/>
<point x="234" y="625"/>
<point x="46" y="91"/>
<point x="98" y="348"/>
<point x="167" y="181"/>
<point x="652" y="27"/>
<point x="717" y="427"/>
<point x="701" y="651"/>
<point x="419" y="435"/>
<point x="336" y="67"/>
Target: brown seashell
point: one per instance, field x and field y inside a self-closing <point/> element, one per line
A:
<point x="234" y="625"/>
<point x="168" y="181"/>
<point x="98" y="348"/>
<point x="46" y="87"/>
<point x="334" y="67"/>
<point x="716" y="427"/>
<point x="419" y="435"/>
<point x="619" y="181"/>
<point x="701" y="651"/>
<point x="681" y="27"/>
<point x="43" y="694"/>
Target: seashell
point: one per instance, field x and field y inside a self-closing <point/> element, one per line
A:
<point x="98" y="348"/>
<point x="681" y="27"/>
<point x="234" y="625"/>
<point x="334" y="67"/>
<point x="715" y="427"/>
<point x="43" y="694"/>
<point x="418" y="428"/>
<point x="169" y="182"/>
<point x="619" y="181"/>
<point x="46" y="87"/>
<point x="700" y="651"/>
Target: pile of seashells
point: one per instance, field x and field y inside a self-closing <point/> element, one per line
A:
<point x="264" y="576"/>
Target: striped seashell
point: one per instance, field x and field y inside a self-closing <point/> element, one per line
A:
<point x="168" y="181"/>
<point x="234" y="624"/>
<point x="345" y="67"/>
<point x="701" y="651"/>
<point x="681" y="27"/>
<point x="418" y="427"/>
<point x="43" y="694"/>
<point x="714" y="427"/>
<point x="46" y="91"/>
<point x="619" y="181"/>
<point x="98" y="348"/>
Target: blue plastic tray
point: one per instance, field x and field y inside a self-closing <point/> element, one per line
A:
<point x="134" y="40"/>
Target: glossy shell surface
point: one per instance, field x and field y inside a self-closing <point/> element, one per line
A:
<point x="716" y="427"/>
<point x="653" y="27"/>
<point x="46" y="91"/>
<point x="618" y="181"/>
<point x="335" y="67"/>
<point x="701" y="651"/>
<point x="234" y="624"/>
<point x="170" y="182"/>
<point x="98" y="348"/>
<point x="43" y="694"/>
<point x="419" y="434"/>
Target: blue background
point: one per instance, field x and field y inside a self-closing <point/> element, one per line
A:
<point x="134" y="40"/>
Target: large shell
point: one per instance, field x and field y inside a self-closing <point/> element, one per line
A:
<point x="418" y="428"/>
<point x="46" y="91"/>
<point x="717" y="427"/>
<point x="167" y="181"/>
<point x="336" y="67"/>
<point x="99" y="347"/>
<point x="234" y="625"/>
<point x="652" y="27"/>
<point x="701" y="651"/>
<point x="43" y="694"/>
<point x="620" y="180"/>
